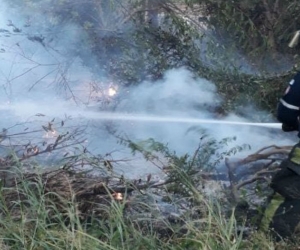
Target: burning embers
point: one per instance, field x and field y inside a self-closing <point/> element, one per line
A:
<point x="112" y="91"/>
<point x="96" y="93"/>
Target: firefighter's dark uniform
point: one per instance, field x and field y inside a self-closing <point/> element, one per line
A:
<point x="288" y="111"/>
<point x="286" y="183"/>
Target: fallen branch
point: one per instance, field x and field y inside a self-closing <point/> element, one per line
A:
<point x="272" y="154"/>
<point x="261" y="155"/>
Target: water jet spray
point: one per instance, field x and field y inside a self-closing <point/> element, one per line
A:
<point x="138" y="117"/>
<point x="171" y="119"/>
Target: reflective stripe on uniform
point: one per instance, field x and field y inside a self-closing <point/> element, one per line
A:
<point x="295" y="155"/>
<point x="270" y="211"/>
<point x="287" y="105"/>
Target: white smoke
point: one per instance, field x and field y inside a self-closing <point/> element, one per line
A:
<point x="29" y="74"/>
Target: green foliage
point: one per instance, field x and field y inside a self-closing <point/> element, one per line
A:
<point x="253" y="26"/>
<point x="32" y="217"/>
<point x="207" y="156"/>
<point x="184" y="171"/>
<point x="35" y="221"/>
<point x="27" y="222"/>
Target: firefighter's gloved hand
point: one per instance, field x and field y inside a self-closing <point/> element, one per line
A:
<point x="288" y="128"/>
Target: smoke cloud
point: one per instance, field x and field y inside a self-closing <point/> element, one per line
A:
<point x="47" y="80"/>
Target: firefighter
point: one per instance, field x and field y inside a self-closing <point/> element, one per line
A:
<point x="288" y="110"/>
<point x="284" y="220"/>
<point x="283" y="214"/>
